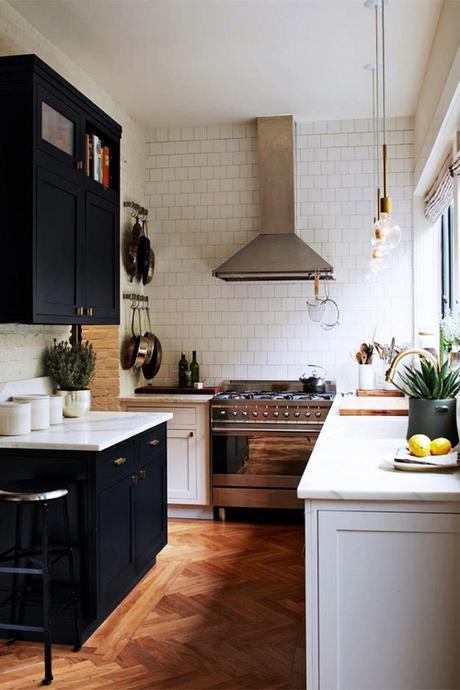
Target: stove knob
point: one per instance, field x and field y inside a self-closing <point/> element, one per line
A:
<point x="318" y="414"/>
<point x="307" y="413"/>
<point x="286" y="414"/>
<point x="276" y="413"/>
<point x="223" y="413"/>
<point x="234" y="413"/>
<point x="265" y="413"/>
<point x="254" y="413"/>
<point x="244" y="413"/>
<point x="297" y="413"/>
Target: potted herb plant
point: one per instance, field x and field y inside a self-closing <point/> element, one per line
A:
<point x="72" y="367"/>
<point x="432" y="391"/>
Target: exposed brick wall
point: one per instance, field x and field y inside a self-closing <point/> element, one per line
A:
<point x="105" y="386"/>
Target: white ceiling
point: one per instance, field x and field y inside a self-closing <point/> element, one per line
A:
<point x="172" y="62"/>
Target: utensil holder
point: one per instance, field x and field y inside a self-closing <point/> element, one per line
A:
<point x="366" y="377"/>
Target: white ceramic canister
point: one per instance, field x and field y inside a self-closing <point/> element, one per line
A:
<point x="366" y="377"/>
<point x="15" y="418"/>
<point x="56" y="408"/>
<point x="40" y="409"/>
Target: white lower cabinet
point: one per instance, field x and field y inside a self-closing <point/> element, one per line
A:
<point x="182" y="467"/>
<point x="383" y="600"/>
<point x="189" y="481"/>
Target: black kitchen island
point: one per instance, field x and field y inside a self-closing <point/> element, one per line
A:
<point x="114" y="465"/>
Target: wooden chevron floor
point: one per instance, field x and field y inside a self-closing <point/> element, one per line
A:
<point x="222" y="610"/>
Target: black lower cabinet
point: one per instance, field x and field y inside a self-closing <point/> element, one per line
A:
<point x="118" y="515"/>
<point x="150" y="519"/>
<point x="117" y="545"/>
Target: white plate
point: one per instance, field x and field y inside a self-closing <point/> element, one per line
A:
<point x="418" y="467"/>
<point x="432" y="463"/>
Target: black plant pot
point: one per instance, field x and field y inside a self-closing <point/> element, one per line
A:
<point x="434" y="418"/>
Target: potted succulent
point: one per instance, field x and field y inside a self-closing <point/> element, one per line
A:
<point x="432" y="389"/>
<point x="72" y="367"/>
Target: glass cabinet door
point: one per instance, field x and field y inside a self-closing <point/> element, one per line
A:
<point x="59" y="127"/>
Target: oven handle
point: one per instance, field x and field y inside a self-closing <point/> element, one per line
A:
<point x="229" y="431"/>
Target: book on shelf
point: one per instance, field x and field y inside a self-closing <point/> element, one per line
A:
<point x="97" y="159"/>
<point x="97" y="152"/>
<point x="105" y="166"/>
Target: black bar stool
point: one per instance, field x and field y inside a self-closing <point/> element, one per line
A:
<point x="42" y="559"/>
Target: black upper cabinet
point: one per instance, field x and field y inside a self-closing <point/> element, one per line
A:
<point x="60" y="256"/>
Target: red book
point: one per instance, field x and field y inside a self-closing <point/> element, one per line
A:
<point x="106" y="166"/>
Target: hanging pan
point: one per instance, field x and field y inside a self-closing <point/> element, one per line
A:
<point x="149" y="261"/>
<point x="151" y="370"/>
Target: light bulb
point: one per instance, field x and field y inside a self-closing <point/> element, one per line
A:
<point x="379" y="252"/>
<point x="386" y="232"/>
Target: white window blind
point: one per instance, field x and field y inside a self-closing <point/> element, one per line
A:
<point x="441" y="192"/>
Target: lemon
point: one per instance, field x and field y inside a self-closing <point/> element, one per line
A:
<point x="419" y="445"/>
<point x="440" y="446"/>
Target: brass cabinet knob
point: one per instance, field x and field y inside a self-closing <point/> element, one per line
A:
<point x="119" y="461"/>
<point x="89" y="311"/>
<point x="134" y="479"/>
<point x="143" y="474"/>
<point x="79" y="311"/>
<point x="154" y="442"/>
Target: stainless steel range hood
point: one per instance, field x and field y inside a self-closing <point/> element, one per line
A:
<point x="277" y="253"/>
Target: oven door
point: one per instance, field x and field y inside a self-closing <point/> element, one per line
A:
<point x="263" y="459"/>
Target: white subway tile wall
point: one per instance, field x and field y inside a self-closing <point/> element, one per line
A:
<point x="202" y="191"/>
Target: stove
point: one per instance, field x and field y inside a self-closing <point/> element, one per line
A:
<point x="262" y="436"/>
<point x="273" y="404"/>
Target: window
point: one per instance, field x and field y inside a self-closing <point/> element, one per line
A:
<point x="447" y="260"/>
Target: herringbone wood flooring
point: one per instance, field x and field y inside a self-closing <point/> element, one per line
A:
<point x="222" y="610"/>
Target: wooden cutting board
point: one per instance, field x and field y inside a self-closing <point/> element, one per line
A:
<point x="209" y="390"/>
<point x="373" y="406"/>
<point x="379" y="393"/>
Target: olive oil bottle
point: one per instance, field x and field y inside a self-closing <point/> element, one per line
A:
<point x="195" y="368"/>
<point x="183" y="367"/>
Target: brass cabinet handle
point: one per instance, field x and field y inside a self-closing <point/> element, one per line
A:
<point x="154" y="442"/>
<point x="79" y="311"/>
<point x="89" y="311"/>
<point x="134" y="479"/>
<point x="143" y="474"/>
<point x="79" y="165"/>
<point x="119" y="461"/>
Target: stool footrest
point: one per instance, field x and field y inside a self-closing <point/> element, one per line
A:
<point x="22" y="571"/>
<point x="24" y="628"/>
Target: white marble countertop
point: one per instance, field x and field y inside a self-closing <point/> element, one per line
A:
<point x="96" y="431"/>
<point x="167" y="398"/>
<point x="347" y="463"/>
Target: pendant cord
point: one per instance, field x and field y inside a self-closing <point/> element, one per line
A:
<point x="377" y="101"/>
<point x="383" y="73"/>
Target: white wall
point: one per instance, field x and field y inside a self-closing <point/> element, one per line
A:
<point x="441" y="80"/>
<point x="17" y="36"/>
<point x="202" y="188"/>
